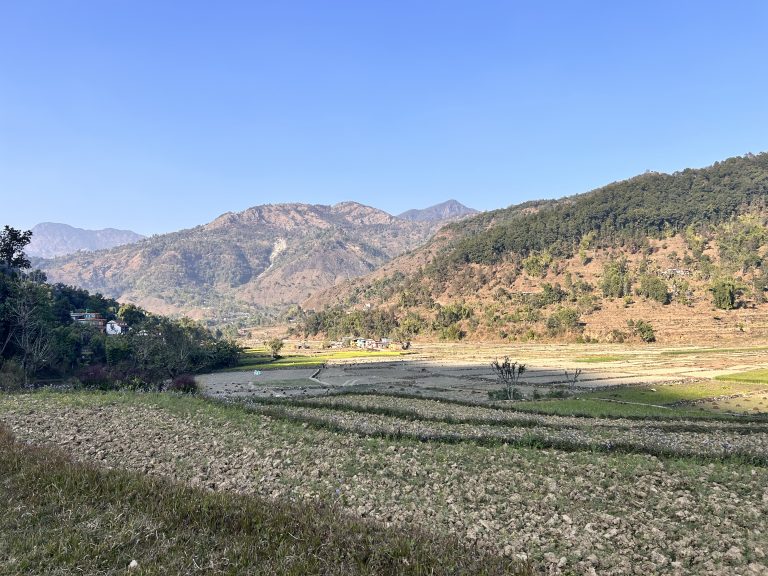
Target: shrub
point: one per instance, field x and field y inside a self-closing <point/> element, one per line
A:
<point x="11" y="376"/>
<point x="642" y="329"/>
<point x="563" y="320"/>
<point x="275" y="345"/>
<point x="185" y="384"/>
<point x="537" y="264"/>
<point x="654" y="288"/>
<point x="96" y="376"/>
<point x="724" y="294"/>
<point x="452" y="332"/>
<point x="450" y="314"/>
<point x="513" y="394"/>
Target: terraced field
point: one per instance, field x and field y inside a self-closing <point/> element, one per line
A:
<point x="574" y="495"/>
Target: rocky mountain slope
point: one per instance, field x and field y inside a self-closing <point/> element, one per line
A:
<point x="50" y="239"/>
<point x="449" y="210"/>
<point x="683" y="251"/>
<point x="267" y="256"/>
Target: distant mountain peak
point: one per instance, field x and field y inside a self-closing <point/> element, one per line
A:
<point x="51" y="239"/>
<point x="448" y="210"/>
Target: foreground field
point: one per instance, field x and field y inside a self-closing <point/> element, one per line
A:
<point x="59" y="517"/>
<point x="578" y="510"/>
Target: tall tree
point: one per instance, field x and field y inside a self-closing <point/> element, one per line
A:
<point x="12" y="244"/>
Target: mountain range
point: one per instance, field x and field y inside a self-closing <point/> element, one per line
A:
<point x="50" y="239"/>
<point x="241" y="265"/>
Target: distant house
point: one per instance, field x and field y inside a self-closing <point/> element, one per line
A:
<point x="670" y="272"/>
<point x="113" y="327"/>
<point x="369" y="344"/>
<point x="92" y="319"/>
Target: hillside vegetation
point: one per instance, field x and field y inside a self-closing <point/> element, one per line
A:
<point x="654" y="251"/>
<point x="40" y="339"/>
<point x="244" y="267"/>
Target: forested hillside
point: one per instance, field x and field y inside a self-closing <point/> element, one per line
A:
<point x="40" y="339"/>
<point x="660" y="246"/>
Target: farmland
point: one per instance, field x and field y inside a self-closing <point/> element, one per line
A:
<point x="632" y="471"/>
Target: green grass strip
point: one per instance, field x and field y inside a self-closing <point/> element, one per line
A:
<point x="751" y="376"/>
<point x="573" y="407"/>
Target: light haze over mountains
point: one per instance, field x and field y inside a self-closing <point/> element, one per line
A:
<point x="265" y="256"/>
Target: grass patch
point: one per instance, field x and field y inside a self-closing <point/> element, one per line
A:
<point x="577" y="407"/>
<point x="671" y="394"/>
<point x="707" y="351"/>
<point x="751" y="376"/>
<point x="594" y="359"/>
<point x="257" y="359"/>
<point x="61" y="517"/>
<point x="590" y="407"/>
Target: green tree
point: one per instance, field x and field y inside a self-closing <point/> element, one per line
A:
<point x="654" y="288"/>
<point x="616" y="280"/>
<point x="724" y="294"/>
<point x="12" y="244"/>
<point x="275" y="345"/>
<point x="642" y="329"/>
<point x="131" y="314"/>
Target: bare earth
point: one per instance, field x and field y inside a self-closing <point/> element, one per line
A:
<point x="463" y="372"/>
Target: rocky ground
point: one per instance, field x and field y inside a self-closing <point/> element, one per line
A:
<point x="579" y="512"/>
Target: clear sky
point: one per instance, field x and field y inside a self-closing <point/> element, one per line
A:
<point x="159" y="115"/>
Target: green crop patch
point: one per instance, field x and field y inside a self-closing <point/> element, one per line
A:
<point x="664" y="394"/>
<point x="258" y="359"/>
<point x="752" y="376"/>
<point x="710" y="351"/>
<point x="604" y="358"/>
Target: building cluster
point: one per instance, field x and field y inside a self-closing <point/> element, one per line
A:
<point x="98" y="322"/>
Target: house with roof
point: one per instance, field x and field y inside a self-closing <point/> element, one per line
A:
<point x="92" y="319"/>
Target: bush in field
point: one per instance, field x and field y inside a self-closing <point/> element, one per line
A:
<point x="185" y="384"/>
<point x="508" y="373"/>
<point x="452" y="332"/>
<point x="275" y="345"/>
<point x="642" y="329"/>
<point x="513" y="394"/>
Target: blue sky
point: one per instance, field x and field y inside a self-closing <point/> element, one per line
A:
<point x="160" y="115"/>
